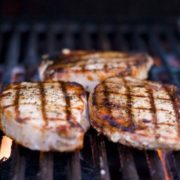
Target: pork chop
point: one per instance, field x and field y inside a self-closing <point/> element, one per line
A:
<point x="137" y="113"/>
<point x="46" y="115"/>
<point x="91" y="67"/>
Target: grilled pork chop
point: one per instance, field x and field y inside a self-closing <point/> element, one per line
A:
<point x="90" y="67"/>
<point x="45" y="116"/>
<point x="137" y="113"/>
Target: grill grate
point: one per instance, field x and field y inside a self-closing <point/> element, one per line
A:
<point x="20" y="48"/>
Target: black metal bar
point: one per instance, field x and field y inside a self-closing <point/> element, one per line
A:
<point x="99" y="157"/>
<point x="173" y="42"/>
<point x="12" y="56"/>
<point x="138" y="43"/>
<point x="158" y="50"/>
<point x="68" y="38"/>
<point x="121" y="43"/>
<point x="74" y="167"/>
<point x="103" y="40"/>
<point x="18" y="164"/>
<point x="51" y="39"/>
<point x="172" y="166"/>
<point x="31" y="57"/>
<point x="154" y="165"/>
<point x="127" y="165"/>
<point x="86" y="42"/>
<point x="46" y="166"/>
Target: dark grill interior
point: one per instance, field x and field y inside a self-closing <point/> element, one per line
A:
<point x="21" y="46"/>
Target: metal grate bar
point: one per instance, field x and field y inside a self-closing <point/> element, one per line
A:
<point x="173" y="42"/>
<point x="31" y="57"/>
<point x="127" y="165"/>
<point x="68" y="38"/>
<point x="158" y="50"/>
<point x="85" y="38"/>
<point x="12" y="56"/>
<point x="51" y="39"/>
<point x="18" y="164"/>
<point x="120" y="42"/>
<point x="74" y="168"/>
<point x="46" y="166"/>
<point x="172" y="166"/>
<point x="103" y="40"/>
<point x="99" y="157"/>
<point x="138" y="43"/>
<point x="154" y="165"/>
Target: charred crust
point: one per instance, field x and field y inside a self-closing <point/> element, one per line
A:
<point x="113" y="123"/>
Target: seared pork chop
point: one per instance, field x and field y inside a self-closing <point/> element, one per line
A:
<point x="45" y="116"/>
<point x="90" y="67"/>
<point x="137" y="113"/>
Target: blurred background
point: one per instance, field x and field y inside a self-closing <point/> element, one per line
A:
<point x="91" y="10"/>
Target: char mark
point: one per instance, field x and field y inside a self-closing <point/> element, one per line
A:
<point x="153" y="108"/>
<point x="68" y="106"/>
<point x="129" y="108"/>
<point x="109" y="117"/>
<point x="16" y="103"/>
<point x="113" y="123"/>
<point x="43" y="102"/>
<point x="175" y="99"/>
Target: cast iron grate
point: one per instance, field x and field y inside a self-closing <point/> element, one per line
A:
<point x="20" y="48"/>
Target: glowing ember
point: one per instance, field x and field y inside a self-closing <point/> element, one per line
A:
<point x="161" y="155"/>
<point x="5" y="148"/>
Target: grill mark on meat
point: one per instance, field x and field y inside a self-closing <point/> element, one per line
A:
<point x="68" y="107"/>
<point x="117" y="106"/>
<point x="105" y="67"/>
<point x="94" y="102"/>
<point x="135" y="60"/>
<point x="129" y="108"/>
<point x="126" y="71"/>
<point x="132" y="95"/>
<point x="175" y="106"/>
<point x="16" y="104"/>
<point x="75" y="58"/>
<point x="43" y="102"/>
<point x="67" y="101"/>
<point x="109" y="117"/>
<point x="153" y="108"/>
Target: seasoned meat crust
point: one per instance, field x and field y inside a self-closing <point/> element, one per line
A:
<point x="137" y="113"/>
<point x="90" y="67"/>
<point x="46" y="115"/>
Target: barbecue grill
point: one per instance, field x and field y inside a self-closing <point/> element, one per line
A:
<point x="21" y="46"/>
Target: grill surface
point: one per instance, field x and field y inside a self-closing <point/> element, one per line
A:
<point x="20" y="48"/>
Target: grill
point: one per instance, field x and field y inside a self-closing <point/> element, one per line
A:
<point x="21" y="46"/>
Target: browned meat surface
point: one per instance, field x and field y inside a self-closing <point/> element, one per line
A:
<point x="91" y="67"/>
<point x="137" y="113"/>
<point x="45" y="116"/>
